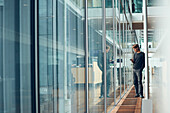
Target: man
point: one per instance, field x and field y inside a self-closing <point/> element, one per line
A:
<point x="138" y="65"/>
<point x="101" y="66"/>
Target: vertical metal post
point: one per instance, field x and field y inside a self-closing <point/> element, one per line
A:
<point x="146" y="49"/>
<point x="126" y="56"/>
<point x="65" y="52"/>
<point x="114" y="48"/>
<point x="130" y="3"/>
<point x="54" y="55"/>
<point x="2" y="57"/>
<point x="128" y="52"/>
<point x="104" y="50"/>
<point x="120" y="77"/>
<point x="115" y="54"/>
<point x="36" y="56"/>
<point x="86" y="55"/>
<point x="123" y="45"/>
<point x="3" y="60"/>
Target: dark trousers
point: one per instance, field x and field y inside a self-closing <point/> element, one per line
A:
<point x="107" y="82"/>
<point x="137" y="77"/>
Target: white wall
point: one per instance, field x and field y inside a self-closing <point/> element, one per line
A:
<point x="160" y="85"/>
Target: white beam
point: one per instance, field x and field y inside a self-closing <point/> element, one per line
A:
<point x="146" y="49"/>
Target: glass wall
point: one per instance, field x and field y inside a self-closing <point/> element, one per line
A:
<point x="96" y="64"/>
<point x="61" y="55"/>
<point x="110" y="35"/>
<point x="118" y="66"/>
<point x="46" y="56"/>
<point x="15" y="56"/>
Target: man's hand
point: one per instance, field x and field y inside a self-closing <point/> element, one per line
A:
<point x="132" y="60"/>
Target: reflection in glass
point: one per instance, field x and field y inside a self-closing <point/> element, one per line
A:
<point x="96" y="63"/>
<point x="61" y="57"/>
<point x="15" y="56"/>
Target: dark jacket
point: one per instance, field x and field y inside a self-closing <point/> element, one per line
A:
<point x="100" y="60"/>
<point x="139" y="60"/>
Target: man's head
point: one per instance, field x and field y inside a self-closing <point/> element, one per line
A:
<point x="136" y="47"/>
<point x="107" y="48"/>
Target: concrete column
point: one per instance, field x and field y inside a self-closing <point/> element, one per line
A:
<point x="146" y="49"/>
<point x="146" y="103"/>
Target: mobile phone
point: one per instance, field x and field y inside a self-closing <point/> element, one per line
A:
<point x="131" y="60"/>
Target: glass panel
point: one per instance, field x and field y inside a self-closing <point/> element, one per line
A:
<point x="128" y="63"/>
<point x="117" y="92"/>
<point x="126" y="52"/>
<point x="122" y="51"/>
<point x="61" y="57"/>
<point x="129" y="47"/>
<point x="108" y="3"/>
<point x="118" y="76"/>
<point x="96" y="61"/>
<point x="118" y="65"/>
<point x="46" y="56"/>
<point x="97" y="3"/>
<point x="155" y="3"/>
<point x="15" y="60"/>
<point x="109" y="57"/>
<point x="126" y="8"/>
<point x="122" y="74"/>
<point x="117" y="88"/>
<point x="90" y="3"/>
<point x="138" y="6"/>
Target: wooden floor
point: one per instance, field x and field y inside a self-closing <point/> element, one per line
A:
<point x="99" y="106"/>
<point x="129" y="104"/>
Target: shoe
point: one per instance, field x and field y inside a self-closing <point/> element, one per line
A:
<point x="137" y="95"/>
<point x="108" y="96"/>
<point x="101" y="96"/>
<point x="141" y="96"/>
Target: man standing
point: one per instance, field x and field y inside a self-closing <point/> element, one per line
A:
<point x="138" y="65"/>
<point x="101" y="66"/>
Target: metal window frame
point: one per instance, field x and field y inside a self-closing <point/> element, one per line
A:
<point x="35" y="56"/>
<point x="115" y="62"/>
<point x="104" y="51"/>
<point x="54" y="25"/>
<point x="114" y="49"/>
<point x="123" y="46"/>
<point x="36" y="106"/>
<point x="17" y="54"/>
<point x="86" y="56"/>
<point x="126" y="51"/>
<point x="120" y="53"/>
<point x="146" y="50"/>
